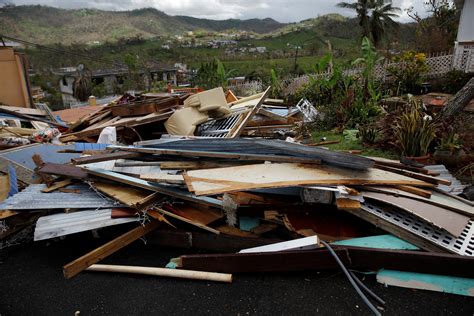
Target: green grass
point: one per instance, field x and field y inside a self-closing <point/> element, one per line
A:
<point x="345" y="144"/>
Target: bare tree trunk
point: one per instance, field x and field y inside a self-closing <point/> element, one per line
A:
<point x="457" y="103"/>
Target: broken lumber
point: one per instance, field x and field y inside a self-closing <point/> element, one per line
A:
<point x="75" y="267"/>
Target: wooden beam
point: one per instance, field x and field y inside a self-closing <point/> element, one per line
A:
<point x="205" y="241"/>
<point x="415" y="190"/>
<point x="183" y="219"/>
<point x="105" y="157"/>
<point x="66" y="171"/>
<point x="75" y="267"/>
<point x="57" y="185"/>
<point x="415" y="175"/>
<point x="320" y="259"/>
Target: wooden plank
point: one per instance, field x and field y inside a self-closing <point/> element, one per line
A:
<point x="183" y="219"/>
<point x="57" y="185"/>
<point x="320" y="259"/>
<point x="415" y="175"/>
<point x="7" y="214"/>
<point x="398" y="165"/>
<point x="442" y="218"/>
<point x="163" y="177"/>
<point x="221" y="180"/>
<point x="124" y="194"/>
<point x="196" y="153"/>
<point x="4" y="187"/>
<point x="66" y="171"/>
<point x="204" y="216"/>
<point x="238" y="129"/>
<point x="414" y="190"/>
<point x="75" y="267"/>
<point x="46" y="178"/>
<point x="205" y="241"/>
<point x="105" y="157"/>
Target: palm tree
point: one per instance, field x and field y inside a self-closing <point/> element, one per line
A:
<point x="375" y="17"/>
<point x="381" y="19"/>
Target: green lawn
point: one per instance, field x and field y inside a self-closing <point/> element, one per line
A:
<point x="345" y="144"/>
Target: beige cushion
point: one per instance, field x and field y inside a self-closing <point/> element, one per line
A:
<point x="211" y="99"/>
<point x="192" y="101"/>
<point x="184" y="121"/>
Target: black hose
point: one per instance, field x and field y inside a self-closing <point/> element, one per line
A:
<point x="366" y="289"/>
<point x="353" y="283"/>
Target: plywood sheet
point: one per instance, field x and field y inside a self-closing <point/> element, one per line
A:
<point x="221" y="180"/>
<point x="442" y="218"/>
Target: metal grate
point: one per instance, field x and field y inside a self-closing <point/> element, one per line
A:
<point x="220" y="128"/>
<point x="463" y="245"/>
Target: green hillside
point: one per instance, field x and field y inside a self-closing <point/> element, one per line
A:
<point x="52" y="25"/>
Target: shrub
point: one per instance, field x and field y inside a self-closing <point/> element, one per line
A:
<point x="414" y="132"/>
<point x="408" y="71"/>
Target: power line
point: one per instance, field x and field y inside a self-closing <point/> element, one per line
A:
<point x="61" y="51"/>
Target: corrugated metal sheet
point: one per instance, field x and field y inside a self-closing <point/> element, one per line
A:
<point x="456" y="186"/>
<point x="69" y="223"/>
<point x="22" y="155"/>
<point x="32" y="198"/>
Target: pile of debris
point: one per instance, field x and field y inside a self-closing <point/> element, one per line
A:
<point x="255" y="204"/>
<point x="211" y="113"/>
<point x="23" y="126"/>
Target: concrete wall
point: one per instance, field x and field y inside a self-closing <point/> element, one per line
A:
<point x="13" y="84"/>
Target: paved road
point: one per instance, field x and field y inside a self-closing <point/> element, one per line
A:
<point x="31" y="283"/>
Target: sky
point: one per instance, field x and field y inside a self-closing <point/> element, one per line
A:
<point x="280" y="10"/>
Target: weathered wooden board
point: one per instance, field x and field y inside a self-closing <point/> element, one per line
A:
<point x="163" y="177"/>
<point x="221" y="180"/>
<point x="194" y="213"/>
<point x="124" y="194"/>
<point x="67" y="171"/>
<point x="442" y="218"/>
<point x="104" y="157"/>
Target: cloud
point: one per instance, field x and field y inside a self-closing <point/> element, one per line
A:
<point x="280" y="10"/>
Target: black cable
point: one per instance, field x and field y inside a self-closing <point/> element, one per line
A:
<point x="366" y="289"/>
<point x="353" y="283"/>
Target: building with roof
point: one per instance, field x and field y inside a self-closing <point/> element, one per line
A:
<point x="112" y="79"/>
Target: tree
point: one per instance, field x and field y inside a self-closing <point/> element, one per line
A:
<point x="375" y="17"/>
<point x="438" y="31"/>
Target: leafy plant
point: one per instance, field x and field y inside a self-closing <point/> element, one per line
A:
<point x="275" y="84"/>
<point x="222" y="74"/>
<point x="450" y="142"/>
<point x="368" y="134"/>
<point x="414" y="132"/>
<point x="408" y="71"/>
<point x="213" y="74"/>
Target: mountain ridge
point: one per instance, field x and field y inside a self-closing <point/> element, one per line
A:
<point x="51" y="25"/>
